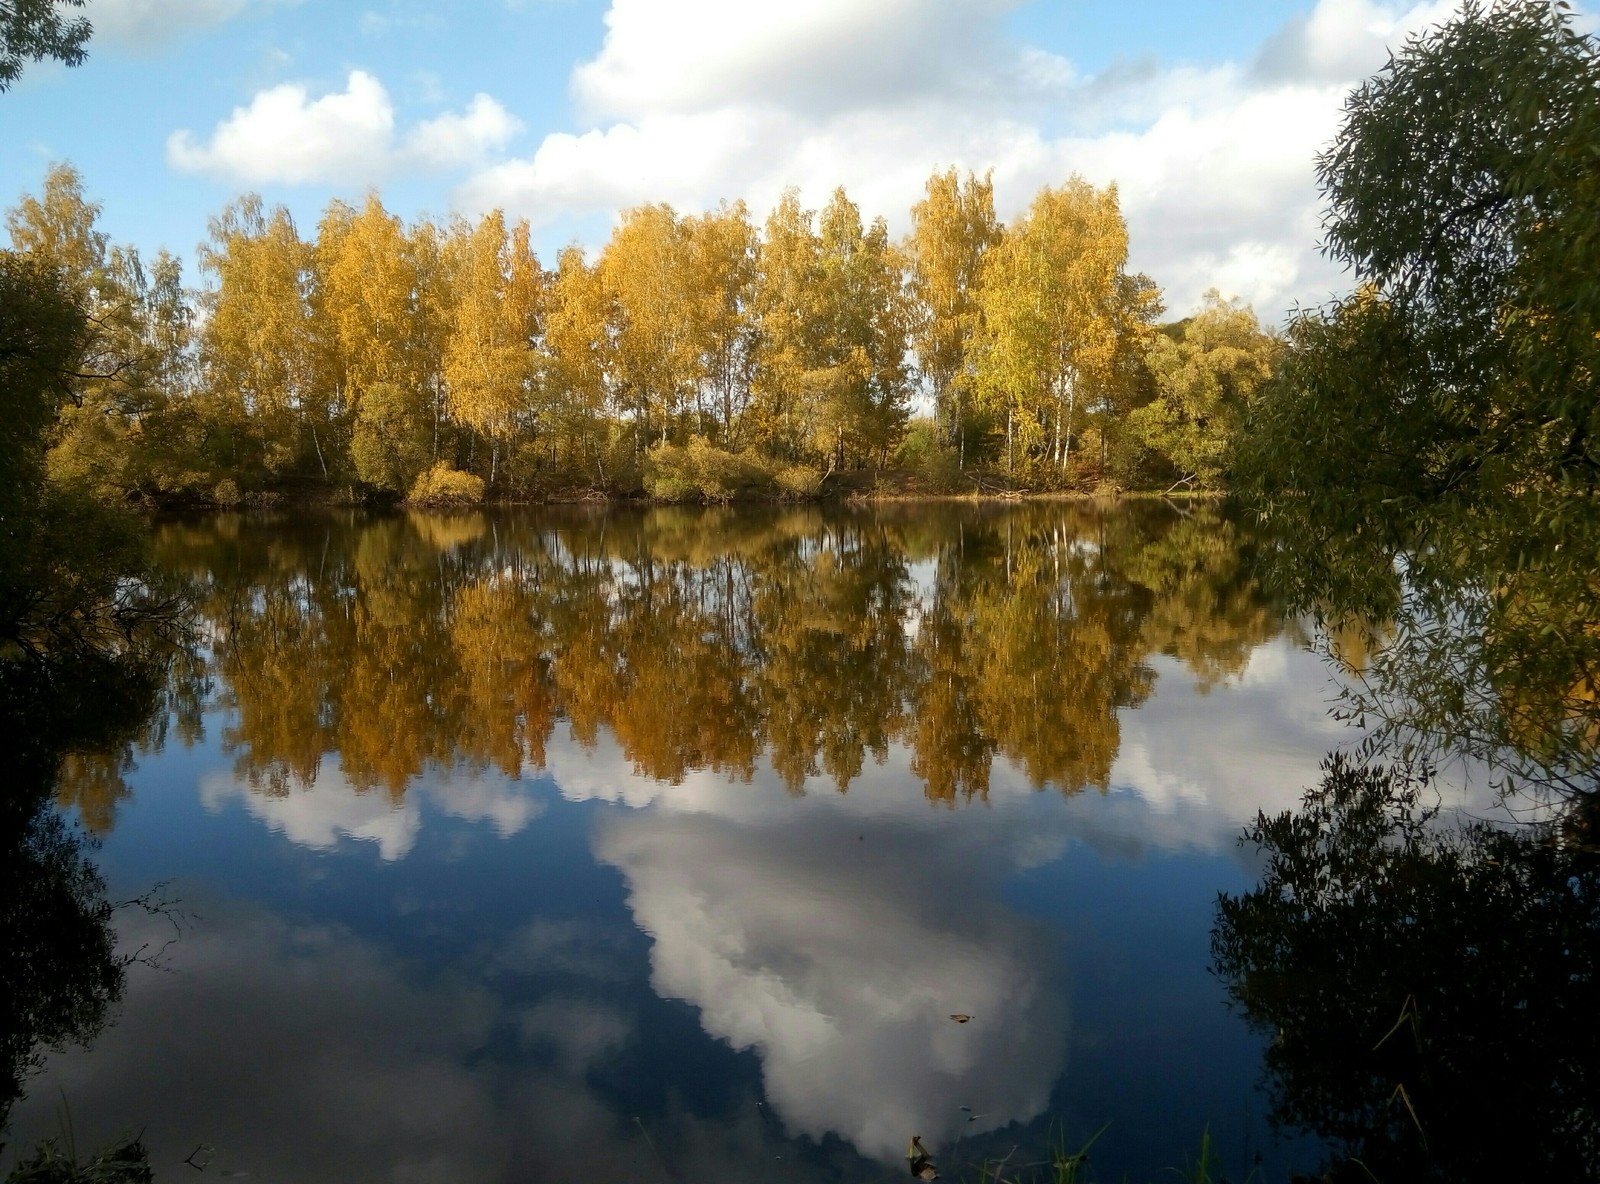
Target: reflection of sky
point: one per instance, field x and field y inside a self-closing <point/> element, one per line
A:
<point x="839" y="956"/>
<point x="330" y="808"/>
<point x="491" y="979"/>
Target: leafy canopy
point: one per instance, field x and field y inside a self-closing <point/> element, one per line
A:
<point x="1443" y="421"/>
<point x="33" y="30"/>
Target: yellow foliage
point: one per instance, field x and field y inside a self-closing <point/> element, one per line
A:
<point x="445" y="486"/>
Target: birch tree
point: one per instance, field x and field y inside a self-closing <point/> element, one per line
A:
<point x="952" y="230"/>
<point x="1050" y="301"/>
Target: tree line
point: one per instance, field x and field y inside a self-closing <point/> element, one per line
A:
<point x="695" y="355"/>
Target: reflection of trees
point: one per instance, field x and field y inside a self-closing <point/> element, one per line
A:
<point x="59" y="976"/>
<point x="1206" y="609"/>
<point x="711" y="640"/>
<point x="85" y="629"/>
<point x="829" y="618"/>
<point x="1431" y="991"/>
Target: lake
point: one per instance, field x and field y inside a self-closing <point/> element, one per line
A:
<point x="616" y="844"/>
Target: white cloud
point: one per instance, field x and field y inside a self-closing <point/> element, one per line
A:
<point x="1342" y="40"/>
<point x="450" y="140"/>
<point x="146" y="24"/>
<point x="692" y="55"/>
<point x="698" y="100"/>
<point x="285" y="135"/>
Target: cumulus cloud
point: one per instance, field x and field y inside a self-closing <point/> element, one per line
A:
<point x="1341" y="40"/>
<point x="349" y="136"/>
<point x="691" y="101"/>
<point x="450" y="140"/>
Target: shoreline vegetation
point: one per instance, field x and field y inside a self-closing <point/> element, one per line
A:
<point x="858" y="489"/>
<point x="693" y="357"/>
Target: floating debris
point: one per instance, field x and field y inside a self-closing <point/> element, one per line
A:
<point x="921" y="1162"/>
<point x="961" y="1017"/>
<point x="201" y="1156"/>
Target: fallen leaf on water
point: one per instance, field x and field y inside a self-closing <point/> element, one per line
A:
<point x="920" y="1161"/>
<point x="960" y="1017"/>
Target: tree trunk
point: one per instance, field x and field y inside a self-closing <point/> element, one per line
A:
<point x="1066" y="443"/>
<point x="317" y="444"/>
<point x="961" y="432"/>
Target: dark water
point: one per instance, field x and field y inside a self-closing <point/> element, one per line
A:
<point x="663" y="845"/>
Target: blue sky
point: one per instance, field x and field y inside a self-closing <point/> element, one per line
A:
<point x="564" y="111"/>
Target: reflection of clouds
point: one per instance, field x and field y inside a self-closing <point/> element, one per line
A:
<point x="582" y="949"/>
<point x="1203" y="765"/>
<point x="834" y="933"/>
<point x="330" y="808"/>
<point x="317" y="815"/>
<point x="1199" y="767"/>
<point x="506" y="805"/>
<point x="840" y="958"/>
<point x="297" y="1052"/>
<point x="304" y="1053"/>
<point x="580" y="1032"/>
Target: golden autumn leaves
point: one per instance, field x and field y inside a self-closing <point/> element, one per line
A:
<point x="375" y="351"/>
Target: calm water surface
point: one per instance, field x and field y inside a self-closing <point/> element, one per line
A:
<point x="663" y="845"/>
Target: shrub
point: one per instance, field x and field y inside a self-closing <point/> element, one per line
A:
<point x="227" y="494"/>
<point x="799" y="481"/>
<point x="444" y="486"/>
<point x="933" y="467"/>
<point x="667" y="473"/>
<point x="701" y="469"/>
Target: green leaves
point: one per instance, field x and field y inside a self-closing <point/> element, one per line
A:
<point x="1446" y="416"/>
<point x="33" y="30"/>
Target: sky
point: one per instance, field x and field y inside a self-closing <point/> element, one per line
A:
<point x="1207" y="117"/>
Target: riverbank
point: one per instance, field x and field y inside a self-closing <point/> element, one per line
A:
<point x="866" y="486"/>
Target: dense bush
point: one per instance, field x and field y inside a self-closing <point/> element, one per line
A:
<point x="799" y="482"/>
<point x="935" y="467"/>
<point x="446" y="487"/>
<point x="701" y="470"/>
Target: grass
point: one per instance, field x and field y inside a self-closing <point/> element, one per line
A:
<point x="1064" y="1167"/>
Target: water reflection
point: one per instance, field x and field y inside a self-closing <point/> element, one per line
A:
<point x="807" y="753"/>
<point x="1429" y="989"/>
<point x="698" y="641"/>
<point x="68" y="710"/>
<point x="329" y="808"/>
<point x="838" y="948"/>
